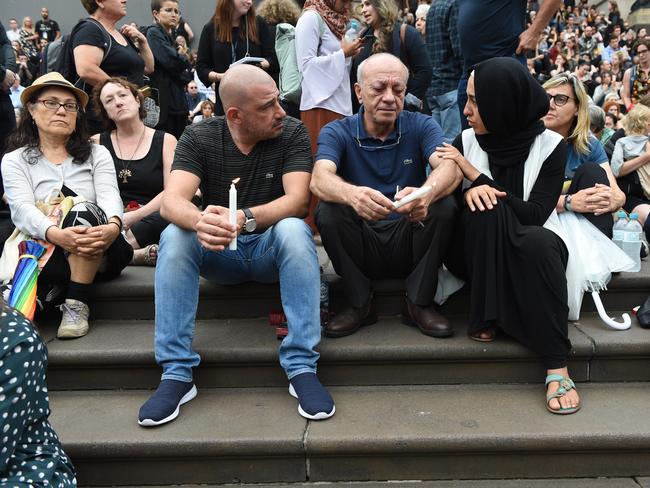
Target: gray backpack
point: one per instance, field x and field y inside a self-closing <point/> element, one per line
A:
<point x="285" y="49"/>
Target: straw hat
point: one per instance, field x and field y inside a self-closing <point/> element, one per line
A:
<point x="53" y="79"/>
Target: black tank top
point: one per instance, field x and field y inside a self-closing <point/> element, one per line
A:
<point x="146" y="179"/>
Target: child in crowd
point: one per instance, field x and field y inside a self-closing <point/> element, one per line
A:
<point x="637" y="126"/>
<point x="630" y="164"/>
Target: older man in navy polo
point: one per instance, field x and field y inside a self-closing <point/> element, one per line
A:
<point x="364" y="163"/>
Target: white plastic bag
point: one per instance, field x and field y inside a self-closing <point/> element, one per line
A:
<point x="596" y="258"/>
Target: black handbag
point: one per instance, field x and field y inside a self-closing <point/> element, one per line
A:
<point x="643" y="314"/>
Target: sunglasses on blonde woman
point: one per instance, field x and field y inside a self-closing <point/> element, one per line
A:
<point x="559" y="99"/>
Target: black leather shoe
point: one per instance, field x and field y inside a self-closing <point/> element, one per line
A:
<point x="350" y="320"/>
<point x="427" y="319"/>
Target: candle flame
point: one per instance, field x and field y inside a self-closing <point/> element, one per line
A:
<point x="235" y="181"/>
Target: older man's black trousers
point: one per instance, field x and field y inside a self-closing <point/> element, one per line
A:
<point x="362" y="251"/>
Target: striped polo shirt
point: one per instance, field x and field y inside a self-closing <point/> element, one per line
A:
<point x="207" y="150"/>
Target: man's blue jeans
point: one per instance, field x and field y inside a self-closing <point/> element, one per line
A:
<point x="284" y="252"/>
<point x="444" y="110"/>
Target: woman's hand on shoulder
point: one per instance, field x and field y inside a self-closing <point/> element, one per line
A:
<point x="483" y="197"/>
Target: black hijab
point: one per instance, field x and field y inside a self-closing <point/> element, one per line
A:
<point x="511" y="104"/>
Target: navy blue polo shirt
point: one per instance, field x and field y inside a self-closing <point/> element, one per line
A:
<point x="362" y="160"/>
<point x="489" y="28"/>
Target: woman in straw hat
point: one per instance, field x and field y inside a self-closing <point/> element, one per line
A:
<point x="50" y="151"/>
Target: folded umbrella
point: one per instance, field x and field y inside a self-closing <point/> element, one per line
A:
<point x="595" y="257"/>
<point x="23" y="291"/>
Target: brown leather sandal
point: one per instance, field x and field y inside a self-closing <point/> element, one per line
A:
<point x="146" y="256"/>
<point x="491" y="335"/>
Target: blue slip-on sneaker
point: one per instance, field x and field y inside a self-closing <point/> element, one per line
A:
<point x="314" y="401"/>
<point x="164" y="405"/>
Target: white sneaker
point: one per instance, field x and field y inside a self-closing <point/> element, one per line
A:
<point x="74" y="322"/>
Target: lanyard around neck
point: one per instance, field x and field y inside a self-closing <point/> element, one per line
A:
<point x="233" y="44"/>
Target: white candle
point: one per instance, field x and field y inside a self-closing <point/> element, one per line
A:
<point x="420" y="192"/>
<point x="232" y="208"/>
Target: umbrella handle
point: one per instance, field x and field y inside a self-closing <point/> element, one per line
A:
<point x="627" y="322"/>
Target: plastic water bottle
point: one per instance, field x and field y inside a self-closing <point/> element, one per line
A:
<point x="353" y="30"/>
<point x="619" y="229"/>
<point x="632" y="240"/>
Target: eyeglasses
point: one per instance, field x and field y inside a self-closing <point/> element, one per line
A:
<point x="53" y="105"/>
<point x="559" y="99"/>
<point x="375" y="148"/>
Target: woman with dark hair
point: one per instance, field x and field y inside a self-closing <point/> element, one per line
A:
<point x="101" y="50"/>
<point x="570" y="52"/>
<point x="614" y="15"/>
<point x="143" y="159"/>
<point x="233" y="33"/>
<point x="173" y="70"/>
<point x="50" y="151"/>
<point x="386" y="34"/>
<point x="514" y="251"/>
<point x="606" y="87"/>
<point x="32" y="454"/>
<point x="561" y="65"/>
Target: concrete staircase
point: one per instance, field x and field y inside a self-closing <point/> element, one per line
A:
<point x="409" y="407"/>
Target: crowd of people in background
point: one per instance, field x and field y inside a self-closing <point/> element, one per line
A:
<point x="598" y="47"/>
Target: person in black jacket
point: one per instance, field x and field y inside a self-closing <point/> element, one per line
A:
<point x="386" y="34"/>
<point x="7" y="120"/>
<point x="7" y="77"/>
<point x="233" y="33"/>
<point x="172" y="67"/>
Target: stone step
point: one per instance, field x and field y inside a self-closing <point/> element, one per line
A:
<point x="378" y="433"/>
<point x="516" y="483"/>
<point x="131" y="296"/>
<point x="243" y="353"/>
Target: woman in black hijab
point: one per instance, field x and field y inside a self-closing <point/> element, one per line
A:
<point x="514" y="254"/>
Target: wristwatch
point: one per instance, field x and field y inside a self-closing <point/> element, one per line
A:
<point x="567" y="203"/>
<point x="250" y="224"/>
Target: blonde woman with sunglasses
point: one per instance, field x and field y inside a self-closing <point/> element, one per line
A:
<point x="590" y="186"/>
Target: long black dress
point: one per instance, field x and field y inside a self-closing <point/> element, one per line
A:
<point x="515" y="266"/>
